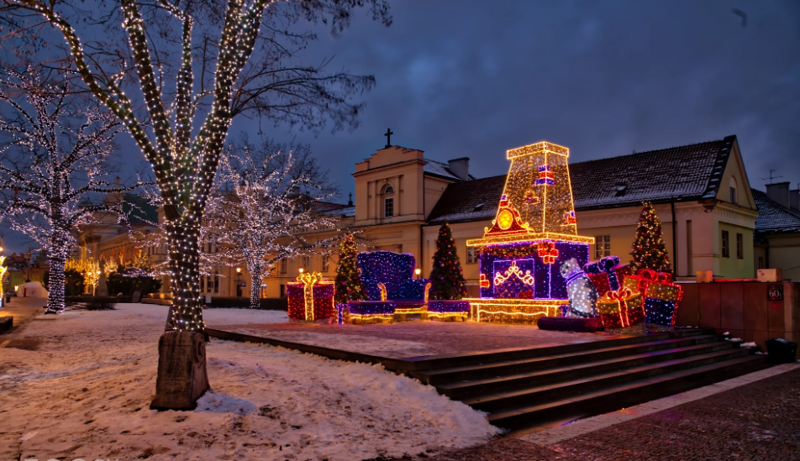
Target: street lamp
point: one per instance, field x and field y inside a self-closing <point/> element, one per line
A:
<point x="301" y="270"/>
<point x="417" y="272"/>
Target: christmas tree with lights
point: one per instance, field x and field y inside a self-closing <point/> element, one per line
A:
<point x="348" y="277"/>
<point x="649" y="250"/>
<point x="447" y="280"/>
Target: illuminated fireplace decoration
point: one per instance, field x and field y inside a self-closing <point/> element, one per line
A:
<point x="533" y="232"/>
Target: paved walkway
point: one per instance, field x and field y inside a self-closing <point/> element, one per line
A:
<point x="23" y="310"/>
<point x="755" y="421"/>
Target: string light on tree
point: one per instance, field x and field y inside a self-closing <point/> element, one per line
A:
<point x="447" y="279"/>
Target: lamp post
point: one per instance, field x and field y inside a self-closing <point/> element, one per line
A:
<point x="417" y="272"/>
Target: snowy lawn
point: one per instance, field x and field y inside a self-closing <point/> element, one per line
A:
<point x="79" y="386"/>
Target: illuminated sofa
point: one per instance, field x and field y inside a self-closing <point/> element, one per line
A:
<point x="388" y="280"/>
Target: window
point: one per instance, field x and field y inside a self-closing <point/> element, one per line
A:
<point x="760" y="262"/>
<point x="307" y="263"/>
<point x="283" y="291"/>
<point x="739" y="246"/>
<point x="388" y="201"/>
<point x="472" y="255"/>
<point x="202" y="284"/>
<point x="325" y="263"/>
<point x="726" y="249"/>
<point x="732" y="185"/>
<point x="284" y="267"/>
<point x="602" y="246"/>
<point x="388" y="207"/>
<point x="216" y="282"/>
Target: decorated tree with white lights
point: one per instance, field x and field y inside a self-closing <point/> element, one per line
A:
<point x="139" y="57"/>
<point x="649" y="250"/>
<point x="266" y="199"/>
<point x="54" y="156"/>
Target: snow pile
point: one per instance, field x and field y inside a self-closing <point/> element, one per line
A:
<point x="750" y="344"/>
<point x="79" y="386"/>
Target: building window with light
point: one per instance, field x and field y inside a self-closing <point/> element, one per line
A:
<point x="472" y="255"/>
<point x="602" y="246"/>
<point x="388" y="201"/>
<point x="726" y="245"/>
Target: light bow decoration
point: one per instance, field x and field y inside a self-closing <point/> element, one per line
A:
<point x="310" y="297"/>
<point x="513" y="271"/>
<point x="535" y="221"/>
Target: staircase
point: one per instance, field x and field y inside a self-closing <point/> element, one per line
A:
<point x="538" y="388"/>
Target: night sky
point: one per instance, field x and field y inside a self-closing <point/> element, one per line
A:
<point x="460" y="78"/>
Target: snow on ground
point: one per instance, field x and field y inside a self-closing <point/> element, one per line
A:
<point x="79" y="386"/>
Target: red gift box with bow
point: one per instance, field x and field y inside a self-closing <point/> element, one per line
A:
<point x="621" y="308"/>
<point x="607" y="274"/>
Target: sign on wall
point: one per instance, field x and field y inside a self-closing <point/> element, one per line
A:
<point x="775" y="295"/>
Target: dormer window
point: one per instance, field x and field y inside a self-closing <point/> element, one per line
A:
<point x="388" y="201"/>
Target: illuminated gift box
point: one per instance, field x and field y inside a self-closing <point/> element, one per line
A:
<point x="310" y="298"/>
<point x="607" y="274"/>
<point x="662" y="298"/>
<point x="621" y="309"/>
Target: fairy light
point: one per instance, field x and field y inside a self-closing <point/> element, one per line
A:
<point x="48" y="202"/>
<point x="532" y="235"/>
<point x="310" y="297"/>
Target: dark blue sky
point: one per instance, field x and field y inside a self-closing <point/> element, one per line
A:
<point x="469" y="78"/>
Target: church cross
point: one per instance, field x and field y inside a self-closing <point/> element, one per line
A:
<point x="388" y="135"/>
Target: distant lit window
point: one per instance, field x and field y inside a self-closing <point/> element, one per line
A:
<point x="602" y="246"/>
<point x="472" y="255"/>
<point x="726" y="245"/>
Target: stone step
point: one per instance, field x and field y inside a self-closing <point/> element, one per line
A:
<point x="555" y="391"/>
<point x="604" y="351"/>
<point x="468" y="388"/>
<point x="623" y="395"/>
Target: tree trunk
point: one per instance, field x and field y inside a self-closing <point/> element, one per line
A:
<point x="186" y="313"/>
<point x="255" y="289"/>
<point x="55" y="297"/>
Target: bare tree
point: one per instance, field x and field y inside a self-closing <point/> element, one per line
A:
<point x="53" y="157"/>
<point x="268" y="196"/>
<point x="187" y="109"/>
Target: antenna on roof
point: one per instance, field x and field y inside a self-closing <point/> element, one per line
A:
<point x="771" y="177"/>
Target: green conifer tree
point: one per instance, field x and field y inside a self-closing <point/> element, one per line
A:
<point x="348" y="285"/>
<point x="447" y="280"/>
<point x="649" y="250"/>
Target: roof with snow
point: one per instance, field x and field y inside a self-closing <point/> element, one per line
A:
<point x="684" y="173"/>
<point x="774" y="217"/>
<point x="440" y="169"/>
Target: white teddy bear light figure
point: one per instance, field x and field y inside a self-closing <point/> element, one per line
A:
<point x="581" y="291"/>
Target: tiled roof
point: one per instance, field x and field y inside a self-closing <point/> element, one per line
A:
<point x="774" y="217"/>
<point x="676" y="174"/>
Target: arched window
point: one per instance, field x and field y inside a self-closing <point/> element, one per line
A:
<point x="734" y="197"/>
<point x="388" y="201"/>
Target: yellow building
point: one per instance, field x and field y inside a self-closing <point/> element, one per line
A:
<point x="701" y="193"/>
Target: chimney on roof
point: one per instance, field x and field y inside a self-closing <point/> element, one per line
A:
<point x="459" y="167"/>
<point x="794" y="198"/>
<point x="779" y="192"/>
